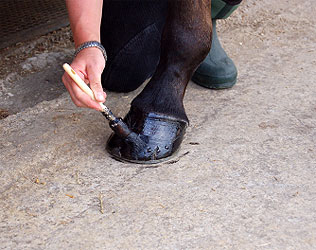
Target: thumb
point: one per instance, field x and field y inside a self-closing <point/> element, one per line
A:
<point x="95" y="84"/>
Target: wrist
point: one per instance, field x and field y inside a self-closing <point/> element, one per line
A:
<point x="91" y="44"/>
<point x="92" y="37"/>
<point x="81" y="33"/>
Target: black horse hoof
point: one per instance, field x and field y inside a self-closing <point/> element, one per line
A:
<point x="158" y="138"/>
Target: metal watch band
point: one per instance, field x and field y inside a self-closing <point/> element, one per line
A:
<point x="91" y="44"/>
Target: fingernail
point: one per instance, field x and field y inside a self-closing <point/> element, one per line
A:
<point x="100" y="96"/>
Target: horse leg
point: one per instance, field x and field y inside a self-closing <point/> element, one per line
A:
<point x="157" y="114"/>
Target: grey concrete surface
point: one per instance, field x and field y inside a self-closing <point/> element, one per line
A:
<point x="43" y="84"/>
<point x="243" y="179"/>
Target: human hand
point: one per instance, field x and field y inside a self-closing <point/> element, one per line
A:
<point x="88" y="64"/>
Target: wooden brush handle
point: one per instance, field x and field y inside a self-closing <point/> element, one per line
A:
<point x="81" y="84"/>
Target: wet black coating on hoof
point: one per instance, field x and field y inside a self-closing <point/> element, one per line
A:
<point x="156" y="138"/>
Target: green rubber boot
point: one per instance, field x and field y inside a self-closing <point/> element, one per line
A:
<point x="217" y="71"/>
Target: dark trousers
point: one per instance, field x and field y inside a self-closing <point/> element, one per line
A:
<point x="131" y="33"/>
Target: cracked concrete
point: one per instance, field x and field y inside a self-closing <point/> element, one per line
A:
<point x="243" y="179"/>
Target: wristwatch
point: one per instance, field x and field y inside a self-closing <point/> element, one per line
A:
<point x="91" y="44"/>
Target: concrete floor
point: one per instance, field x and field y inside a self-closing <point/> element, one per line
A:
<point x="243" y="179"/>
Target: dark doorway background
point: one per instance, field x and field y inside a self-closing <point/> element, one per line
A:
<point x="21" y="20"/>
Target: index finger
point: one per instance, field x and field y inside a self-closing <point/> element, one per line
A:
<point x="76" y="78"/>
<point x="80" y="97"/>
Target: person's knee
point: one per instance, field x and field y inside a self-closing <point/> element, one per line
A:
<point x="134" y="63"/>
<point x="131" y="34"/>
